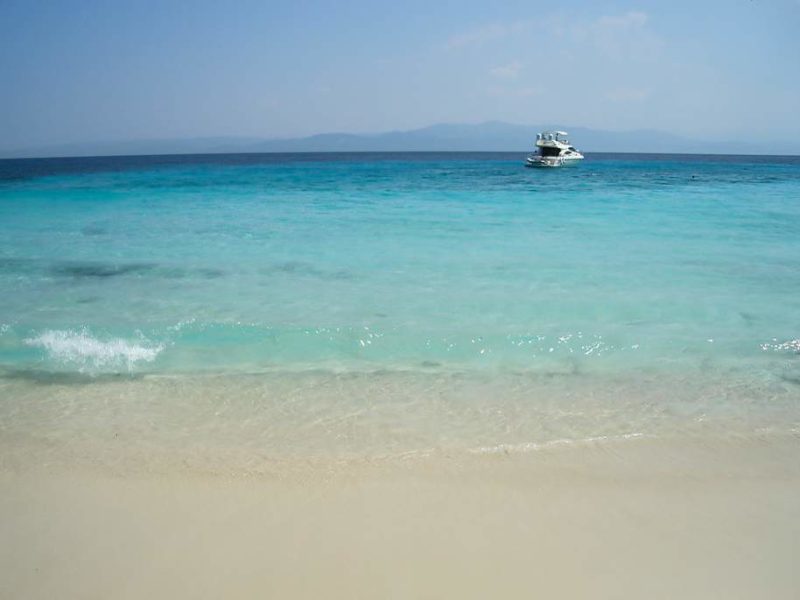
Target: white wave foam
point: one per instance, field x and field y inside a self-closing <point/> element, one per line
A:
<point x="789" y="345"/>
<point x="181" y="324"/>
<point x="80" y="348"/>
<point x="525" y="447"/>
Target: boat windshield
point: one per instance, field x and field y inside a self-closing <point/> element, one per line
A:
<point x="550" y="151"/>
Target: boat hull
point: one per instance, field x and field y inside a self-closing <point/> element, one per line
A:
<point x="535" y="160"/>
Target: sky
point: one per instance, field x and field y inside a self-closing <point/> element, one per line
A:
<point x="79" y="71"/>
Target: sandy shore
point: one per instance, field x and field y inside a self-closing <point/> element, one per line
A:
<point x="635" y="519"/>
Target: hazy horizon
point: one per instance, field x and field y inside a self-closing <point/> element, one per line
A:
<point x="100" y="72"/>
<point x="493" y="136"/>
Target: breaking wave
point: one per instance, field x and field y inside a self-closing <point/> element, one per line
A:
<point x="90" y="353"/>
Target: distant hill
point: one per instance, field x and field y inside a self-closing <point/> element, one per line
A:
<point x="489" y="136"/>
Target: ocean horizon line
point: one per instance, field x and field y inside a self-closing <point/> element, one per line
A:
<point x="598" y="153"/>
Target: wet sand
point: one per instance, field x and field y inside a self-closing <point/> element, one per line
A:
<point x="675" y="518"/>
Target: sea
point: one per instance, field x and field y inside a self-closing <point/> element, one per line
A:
<point x="237" y="310"/>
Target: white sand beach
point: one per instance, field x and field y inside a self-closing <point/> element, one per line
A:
<point x="629" y="519"/>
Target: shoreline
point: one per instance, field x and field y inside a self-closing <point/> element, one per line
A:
<point x="268" y="423"/>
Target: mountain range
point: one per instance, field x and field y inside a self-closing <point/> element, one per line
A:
<point x="488" y="136"/>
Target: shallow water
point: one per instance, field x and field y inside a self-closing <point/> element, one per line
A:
<point x="377" y="303"/>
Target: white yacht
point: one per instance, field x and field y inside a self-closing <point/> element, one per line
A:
<point x="554" y="151"/>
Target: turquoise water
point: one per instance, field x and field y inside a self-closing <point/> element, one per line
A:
<point x="433" y="266"/>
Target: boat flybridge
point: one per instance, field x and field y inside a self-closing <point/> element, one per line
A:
<point x="554" y="151"/>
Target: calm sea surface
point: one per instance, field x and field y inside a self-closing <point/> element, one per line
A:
<point x="398" y="302"/>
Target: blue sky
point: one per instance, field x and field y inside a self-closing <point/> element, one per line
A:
<point x="90" y="71"/>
